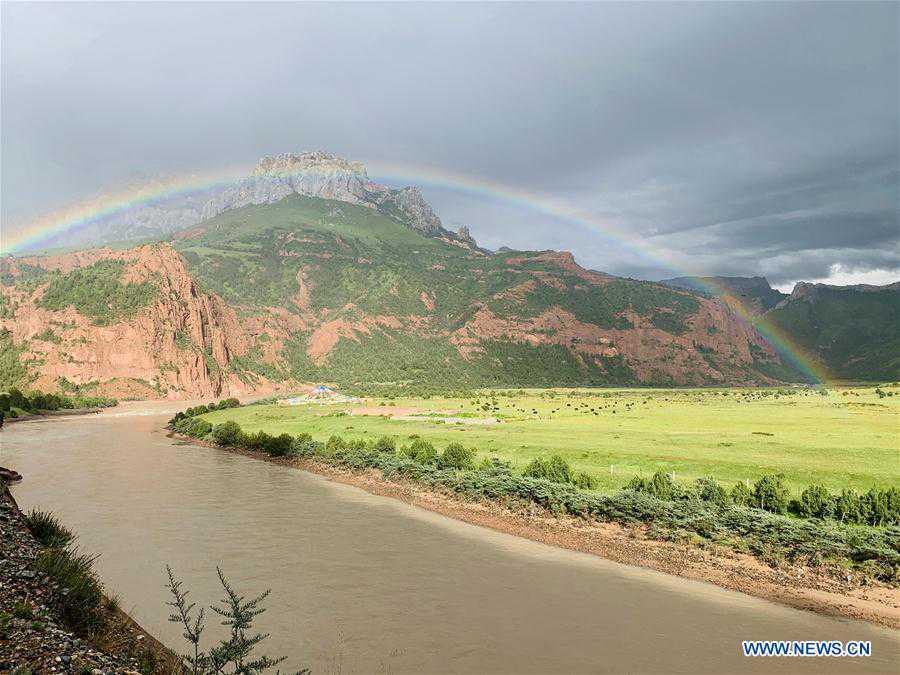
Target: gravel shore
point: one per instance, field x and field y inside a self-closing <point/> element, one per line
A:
<point x="34" y="639"/>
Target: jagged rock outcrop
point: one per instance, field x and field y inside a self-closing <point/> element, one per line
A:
<point x="182" y="344"/>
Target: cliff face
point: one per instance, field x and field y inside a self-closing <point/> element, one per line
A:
<point x="180" y="344"/>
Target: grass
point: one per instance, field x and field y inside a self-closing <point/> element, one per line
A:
<point x="79" y="602"/>
<point x="47" y="529"/>
<point x="845" y="439"/>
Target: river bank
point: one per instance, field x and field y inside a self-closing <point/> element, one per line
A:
<point x="824" y="591"/>
<point x="75" y="412"/>
<point x="367" y="583"/>
<point x="33" y="633"/>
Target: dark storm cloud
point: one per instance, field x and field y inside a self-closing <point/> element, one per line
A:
<point x="734" y="138"/>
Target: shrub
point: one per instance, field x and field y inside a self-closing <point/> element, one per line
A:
<point x="709" y="490"/>
<point x="228" y="433"/>
<point x="420" y="451"/>
<point x="740" y="494"/>
<point x="880" y="507"/>
<point x="80" y="591"/>
<point x="660" y="485"/>
<point x="280" y="446"/>
<point x="455" y="456"/>
<point x="554" y="468"/>
<point x="893" y="505"/>
<point x="274" y="446"/>
<point x="17" y="399"/>
<point x="846" y="506"/>
<point x="304" y="446"/>
<point x="335" y="444"/>
<point x="771" y="494"/>
<point x="200" y="428"/>
<point x="495" y="467"/>
<point x="816" y="502"/>
<point x="385" y="444"/>
<point x="47" y="529"/>
<point x="193" y="427"/>
<point x="585" y="481"/>
<point x="256" y="441"/>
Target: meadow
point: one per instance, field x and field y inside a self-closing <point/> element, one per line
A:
<point x="841" y="437"/>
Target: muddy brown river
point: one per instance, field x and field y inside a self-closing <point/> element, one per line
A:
<point x="362" y="583"/>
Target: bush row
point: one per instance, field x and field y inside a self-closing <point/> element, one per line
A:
<point x="769" y="493"/>
<point x="706" y="510"/>
<point x="36" y="401"/>
<point x="224" y="404"/>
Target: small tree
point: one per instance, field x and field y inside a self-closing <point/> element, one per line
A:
<point x="846" y="506"/>
<point x="239" y="614"/>
<point x="740" y="494"/>
<point x="771" y="494"/>
<point x="420" y="451"/>
<point x="455" y="456"/>
<point x="816" y="502"/>
<point x="227" y="434"/>
<point x="233" y="655"/>
<point x="193" y="625"/>
<point x="709" y="490"/>
<point x="385" y="444"/>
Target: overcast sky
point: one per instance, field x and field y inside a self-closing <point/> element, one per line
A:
<point x="723" y="138"/>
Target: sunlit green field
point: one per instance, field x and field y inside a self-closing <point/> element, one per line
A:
<point x="847" y="438"/>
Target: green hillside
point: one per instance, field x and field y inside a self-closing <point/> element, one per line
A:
<point x="853" y="331"/>
<point x="414" y="292"/>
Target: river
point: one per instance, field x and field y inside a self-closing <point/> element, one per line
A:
<point x="362" y="583"/>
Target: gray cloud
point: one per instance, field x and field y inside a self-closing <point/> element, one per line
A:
<point x="730" y="138"/>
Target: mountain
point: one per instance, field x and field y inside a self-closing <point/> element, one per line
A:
<point x="850" y="332"/>
<point x="312" y="174"/>
<point x="755" y="293"/>
<point x="853" y="332"/>
<point x="366" y="289"/>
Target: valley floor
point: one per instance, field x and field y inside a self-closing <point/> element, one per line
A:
<point x="844" y="438"/>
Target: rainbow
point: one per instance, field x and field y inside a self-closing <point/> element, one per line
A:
<point x="58" y="224"/>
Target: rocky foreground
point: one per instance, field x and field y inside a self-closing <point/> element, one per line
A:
<point x="33" y="638"/>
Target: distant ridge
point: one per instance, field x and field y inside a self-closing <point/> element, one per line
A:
<point x="852" y="331"/>
<point x="755" y="292"/>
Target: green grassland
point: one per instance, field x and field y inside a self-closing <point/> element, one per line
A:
<point x="847" y="437"/>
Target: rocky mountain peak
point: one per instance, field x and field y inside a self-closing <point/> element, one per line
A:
<point x="307" y="162"/>
<point x="312" y="174"/>
<point x="463" y="234"/>
<point x="411" y="205"/>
